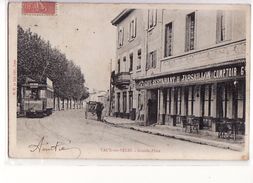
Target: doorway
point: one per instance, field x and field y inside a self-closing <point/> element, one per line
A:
<point x="152" y="106"/>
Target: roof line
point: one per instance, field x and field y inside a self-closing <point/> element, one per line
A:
<point x="121" y="16"/>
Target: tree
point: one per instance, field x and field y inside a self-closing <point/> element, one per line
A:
<point x="38" y="60"/>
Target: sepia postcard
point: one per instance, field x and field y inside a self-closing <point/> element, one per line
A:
<point x="128" y="81"/>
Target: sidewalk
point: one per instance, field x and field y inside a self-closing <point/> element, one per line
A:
<point x="177" y="133"/>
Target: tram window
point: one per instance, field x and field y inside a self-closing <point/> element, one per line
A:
<point x="28" y="93"/>
<point x="34" y="94"/>
<point x="42" y="94"/>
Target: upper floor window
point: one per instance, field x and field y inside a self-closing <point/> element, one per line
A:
<point x="152" y="58"/>
<point x="190" y="32"/>
<point x="132" y="29"/>
<point x="223" y="27"/>
<point x="139" y="60"/>
<point x="120" y="36"/>
<point x="168" y="39"/>
<point x="152" y="18"/>
<point x="131" y="62"/>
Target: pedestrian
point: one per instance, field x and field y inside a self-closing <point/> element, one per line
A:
<point x="85" y="109"/>
<point x="99" y="110"/>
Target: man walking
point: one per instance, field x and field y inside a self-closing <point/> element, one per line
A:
<point x="99" y="110"/>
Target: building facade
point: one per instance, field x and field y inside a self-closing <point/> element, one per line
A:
<point x="130" y="59"/>
<point x="192" y="67"/>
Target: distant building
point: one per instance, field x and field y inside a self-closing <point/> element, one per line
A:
<point x="181" y="65"/>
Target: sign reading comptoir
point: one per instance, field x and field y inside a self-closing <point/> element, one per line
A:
<point x="212" y="74"/>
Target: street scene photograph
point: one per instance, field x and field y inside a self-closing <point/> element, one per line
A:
<point x="128" y="81"/>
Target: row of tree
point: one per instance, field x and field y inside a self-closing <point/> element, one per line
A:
<point x="38" y="60"/>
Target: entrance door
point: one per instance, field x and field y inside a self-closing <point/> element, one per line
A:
<point x="152" y="107"/>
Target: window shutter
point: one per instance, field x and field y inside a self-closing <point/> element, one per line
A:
<point x="228" y="25"/>
<point x="148" y="62"/>
<point x="187" y="33"/>
<point x="150" y="20"/>
<point x="154" y="58"/>
<point x="119" y="37"/>
<point x="134" y="27"/>
<point x="122" y="39"/>
<point x="154" y="17"/>
<point x="218" y="27"/>
<point x="129" y="32"/>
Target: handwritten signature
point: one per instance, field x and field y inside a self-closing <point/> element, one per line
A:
<point x="44" y="146"/>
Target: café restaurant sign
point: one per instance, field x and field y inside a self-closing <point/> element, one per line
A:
<point x="192" y="77"/>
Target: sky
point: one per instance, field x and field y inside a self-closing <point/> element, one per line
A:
<point x="84" y="33"/>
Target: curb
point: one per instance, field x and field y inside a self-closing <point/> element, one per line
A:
<point x="182" y="137"/>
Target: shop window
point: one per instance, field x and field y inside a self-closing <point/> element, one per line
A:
<point x="225" y="100"/>
<point x="169" y="101"/>
<point x="231" y="100"/>
<point x="223" y="27"/>
<point x="139" y="59"/>
<point x="130" y="100"/>
<point x="118" y="101"/>
<point x="140" y="107"/>
<point x="190" y="32"/>
<point x="168" y="39"/>
<point x="240" y="100"/>
<point x="139" y="102"/>
<point x="190" y="100"/>
<point x="178" y="100"/>
<point x="131" y="62"/>
<point x="124" y="102"/>
<point x="152" y="18"/>
<point x="207" y="106"/>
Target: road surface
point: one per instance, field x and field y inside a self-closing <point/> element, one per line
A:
<point x="67" y="134"/>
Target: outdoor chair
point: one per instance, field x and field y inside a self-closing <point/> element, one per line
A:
<point x="192" y="125"/>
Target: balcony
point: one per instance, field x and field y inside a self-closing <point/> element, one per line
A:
<point x="121" y="79"/>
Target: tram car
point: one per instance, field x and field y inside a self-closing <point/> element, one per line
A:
<point x="38" y="98"/>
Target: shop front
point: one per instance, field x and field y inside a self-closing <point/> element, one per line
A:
<point x="206" y="97"/>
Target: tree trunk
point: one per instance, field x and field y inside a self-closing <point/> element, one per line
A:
<point x="57" y="103"/>
<point x="54" y="103"/>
